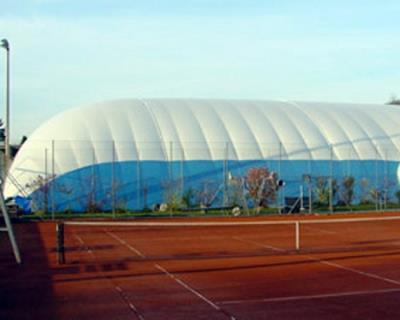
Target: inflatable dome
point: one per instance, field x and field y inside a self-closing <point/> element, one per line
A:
<point x="129" y="154"/>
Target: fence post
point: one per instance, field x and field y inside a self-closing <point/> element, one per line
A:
<point x="376" y="180"/>
<point x="225" y="174"/>
<point x="301" y="199"/>
<point x="46" y="183"/>
<point x="281" y="190"/>
<point x="113" y="179"/>
<point x="171" y="175"/>
<point x="52" y="179"/>
<point x="60" y="242"/>
<point x="93" y="181"/>
<point x="138" y="180"/>
<point x="331" y="180"/>
<point x="182" y="173"/>
<point x="349" y="162"/>
<point x="171" y="145"/>
<point x="309" y="185"/>
<point x="386" y="181"/>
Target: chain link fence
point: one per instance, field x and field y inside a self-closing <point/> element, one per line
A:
<point x="117" y="176"/>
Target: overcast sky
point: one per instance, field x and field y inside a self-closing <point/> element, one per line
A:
<point x="66" y="53"/>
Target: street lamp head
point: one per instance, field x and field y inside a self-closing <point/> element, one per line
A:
<point x="4" y="43"/>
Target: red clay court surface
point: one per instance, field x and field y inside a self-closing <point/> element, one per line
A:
<point x="344" y="271"/>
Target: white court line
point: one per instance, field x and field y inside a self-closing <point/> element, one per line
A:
<point x="117" y="288"/>
<point x="367" y="274"/>
<point x="170" y="275"/>
<point x="123" y="242"/>
<point x="195" y="292"/>
<point x="79" y="239"/>
<point x="310" y="297"/>
<point x="83" y="243"/>
<point x="187" y="287"/>
<point x="259" y="244"/>
<point x="332" y="264"/>
<point x="339" y="266"/>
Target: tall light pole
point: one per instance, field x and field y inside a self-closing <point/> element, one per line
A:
<point x="4" y="44"/>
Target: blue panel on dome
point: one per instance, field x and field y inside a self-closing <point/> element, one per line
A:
<point x="136" y="185"/>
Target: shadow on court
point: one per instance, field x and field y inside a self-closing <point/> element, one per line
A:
<point x="26" y="288"/>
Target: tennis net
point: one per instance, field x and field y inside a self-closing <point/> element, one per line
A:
<point x="113" y="240"/>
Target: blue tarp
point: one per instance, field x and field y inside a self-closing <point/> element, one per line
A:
<point x="24" y="204"/>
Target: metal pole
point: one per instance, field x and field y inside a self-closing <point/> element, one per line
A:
<point x="52" y="180"/>
<point x="182" y="173"/>
<point x="309" y="187"/>
<point x="93" y="182"/>
<point x="385" y="169"/>
<point x="137" y="179"/>
<point x="301" y="199"/>
<point x="46" y="183"/>
<point x="349" y="162"/>
<point x="171" y="183"/>
<point x="281" y="192"/>
<point x="170" y="160"/>
<point x="331" y="180"/>
<point x="225" y="174"/>
<point x="60" y="248"/>
<point x="5" y="44"/>
<point x="9" y="229"/>
<point x="297" y="225"/>
<point x="376" y="180"/>
<point x="113" y="179"/>
<point x="309" y="198"/>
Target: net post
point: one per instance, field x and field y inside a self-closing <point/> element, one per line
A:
<point x="60" y="242"/>
<point x="297" y="225"/>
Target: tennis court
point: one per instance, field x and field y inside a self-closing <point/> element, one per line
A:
<point x="336" y="267"/>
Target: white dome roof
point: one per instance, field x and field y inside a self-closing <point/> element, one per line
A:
<point x="192" y="129"/>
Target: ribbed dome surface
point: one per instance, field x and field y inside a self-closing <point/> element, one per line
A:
<point x="190" y="129"/>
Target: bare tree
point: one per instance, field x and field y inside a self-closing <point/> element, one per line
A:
<point x="365" y="194"/>
<point x="347" y="190"/>
<point x="322" y="190"/>
<point x="261" y="185"/>
<point x="172" y="195"/>
<point x="207" y="193"/>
